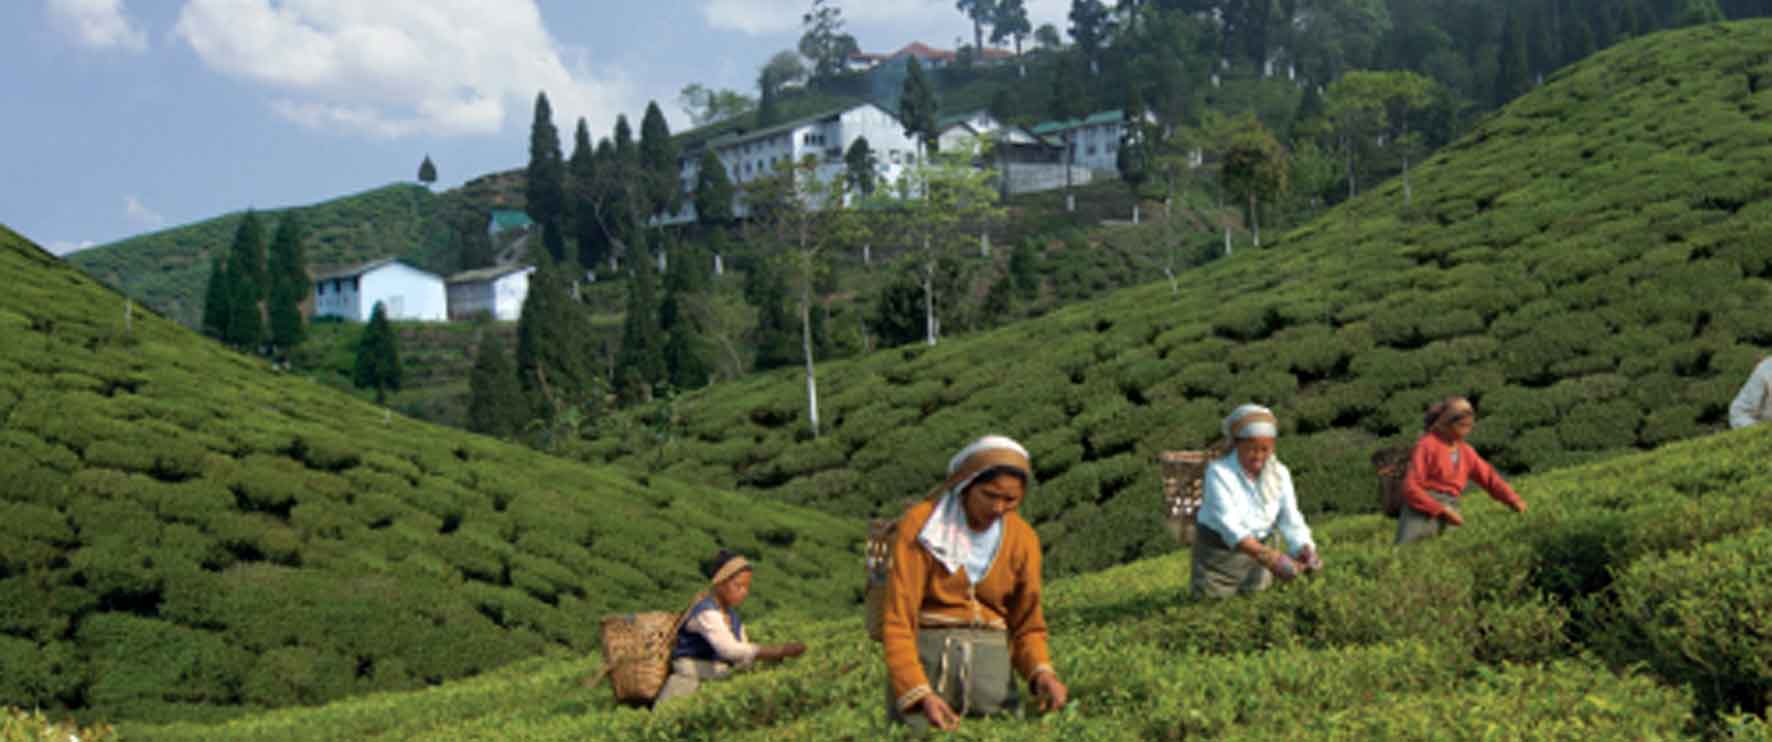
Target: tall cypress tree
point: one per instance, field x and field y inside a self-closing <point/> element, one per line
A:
<point x="713" y="191"/>
<point x="658" y="163"/>
<point x="554" y="364"/>
<point x="581" y="176"/>
<point x="247" y="281"/>
<point x="684" y="280"/>
<point x="495" y="400"/>
<point x="917" y="106"/>
<point x="378" y="356"/>
<point x="777" y="334"/>
<point x="289" y="283"/>
<point x="545" y="174"/>
<point x="640" y="364"/>
<point x="427" y="171"/>
<point x="215" y="301"/>
<point x="1513" y="76"/>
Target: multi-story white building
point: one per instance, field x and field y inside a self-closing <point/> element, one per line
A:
<point x="751" y="155"/>
<point x="406" y="292"/>
<point x="1094" y="141"/>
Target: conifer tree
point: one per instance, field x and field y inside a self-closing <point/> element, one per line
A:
<point x="246" y="280"/>
<point x="290" y="284"/>
<point x="581" y="192"/>
<point x="495" y="399"/>
<point x="545" y="177"/>
<point x="685" y="365"/>
<point x="215" y="300"/>
<point x="378" y="356"/>
<point x="1512" y="76"/>
<point x="640" y="364"/>
<point x="917" y="107"/>
<point x="860" y="165"/>
<point x="713" y="191"/>
<point x="659" y="170"/>
<point x="554" y="365"/>
<point x="427" y="171"/>
<point x="774" y="336"/>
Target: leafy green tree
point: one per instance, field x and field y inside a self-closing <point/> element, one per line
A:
<point x="1354" y="108"/>
<point x="1024" y="269"/>
<point x="862" y="168"/>
<point x="427" y="171"/>
<point x="897" y="318"/>
<point x="545" y="177"/>
<point x="378" y="356"/>
<point x="290" y="285"/>
<point x="781" y="70"/>
<point x="554" y="363"/>
<point x="686" y="366"/>
<point x="705" y="106"/>
<point x="495" y="399"/>
<point x="1010" y="22"/>
<point x="917" y="107"/>
<point x="1091" y="27"/>
<point x="823" y="40"/>
<point x="713" y="191"/>
<point x="247" y="281"/>
<point x="640" y="366"/>
<point x="1047" y="37"/>
<point x="945" y="200"/>
<point x="659" y="170"/>
<point x="982" y="13"/>
<point x="1698" y="12"/>
<point x="1255" y="169"/>
<point x="215" y="300"/>
<point x="773" y="334"/>
<point x="1514" y="75"/>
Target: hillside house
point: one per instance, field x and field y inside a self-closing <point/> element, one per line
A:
<point x="1094" y="141"/>
<point x="505" y="220"/>
<point x="751" y="155"/>
<point x="407" y="292"/>
<point x="496" y="292"/>
<point x="927" y="56"/>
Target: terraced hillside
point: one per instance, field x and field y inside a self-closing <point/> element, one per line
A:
<point x="186" y="534"/>
<point x="167" y="270"/>
<point x="1589" y="265"/>
<point x="1631" y="602"/>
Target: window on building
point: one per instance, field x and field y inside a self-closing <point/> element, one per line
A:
<point x="1091" y="150"/>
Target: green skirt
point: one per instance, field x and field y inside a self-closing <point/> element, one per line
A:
<point x="1221" y="571"/>
<point x="1414" y="525"/>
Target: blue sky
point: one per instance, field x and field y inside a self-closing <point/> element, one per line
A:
<point x="128" y="116"/>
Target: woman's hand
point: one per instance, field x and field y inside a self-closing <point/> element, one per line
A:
<point x="777" y="652"/>
<point x="939" y="714"/>
<point x="1281" y="565"/>
<point x="1307" y="557"/>
<point x="1451" y="517"/>
<point x="1519" y="506"/>
<point x="1052" y="693"/>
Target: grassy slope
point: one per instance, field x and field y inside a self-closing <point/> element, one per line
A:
<point x="167" y="270"/>
<point x="1588" y="264"/>
<point x="1582" y="619"/>
<point x="184" y="532"/>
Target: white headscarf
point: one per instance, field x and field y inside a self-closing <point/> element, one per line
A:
<point x="1256" y="421"/>
<point x="946" y="534"/>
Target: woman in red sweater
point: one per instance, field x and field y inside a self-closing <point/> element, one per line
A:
<point x="1439" y="468"/>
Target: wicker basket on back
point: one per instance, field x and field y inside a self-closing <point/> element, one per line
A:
<point x="1184" y="474"/>
<point x="637" y="653"/>
<point x="1391" y="465"/>
<point x="879" y="563"/>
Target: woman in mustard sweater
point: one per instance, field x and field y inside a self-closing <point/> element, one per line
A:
<point x="963" y="596"/>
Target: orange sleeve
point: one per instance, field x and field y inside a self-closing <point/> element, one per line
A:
<point x="906" y="580"/>
<point x="1415" y="494"/>
<point x="1025" y="616"/>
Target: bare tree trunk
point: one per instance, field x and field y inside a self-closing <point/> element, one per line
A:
<point x="929" y="299"/>
<point x="1255" y="218"/>
<point x="984" y="244"/>
<point x="806" y="348"/>
<point x="1408" y="194"/>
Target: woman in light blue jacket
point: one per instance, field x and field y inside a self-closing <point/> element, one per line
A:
<point x="1248" y="498"/>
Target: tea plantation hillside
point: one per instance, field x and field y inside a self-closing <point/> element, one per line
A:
<point x="1633" y="601"/>
<point x="1589" y="265"/>
<point x="185" y="534"/>
<point x="168" y="270"/>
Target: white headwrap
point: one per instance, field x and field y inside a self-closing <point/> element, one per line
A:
<point x="947" y="535"/>
<point x="1256" y="421"/>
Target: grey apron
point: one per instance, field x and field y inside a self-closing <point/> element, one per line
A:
<point x="1414" y="525"/>
<point x="1221" y="571"/>
<point x="968" y="668"/>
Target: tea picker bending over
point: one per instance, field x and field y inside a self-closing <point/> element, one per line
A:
<point x="1249" y="497"/>
<point x="963" y="596"/>
<point x="1753" y="404"/>
<point x="712" y="640"/>
<point x="1439" y="467"/>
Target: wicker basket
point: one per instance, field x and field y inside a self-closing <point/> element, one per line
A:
<point x="637" y="653"/>
<point x="1391" y="465"/>
<point x="1184" y="475"/>
<point x="879" y="563"/>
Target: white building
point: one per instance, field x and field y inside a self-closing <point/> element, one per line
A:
<point x="497" y="292"/>
<point x="749" y="156"/>
<point x="406" y="292"/>
<point x="1094" y="141"/>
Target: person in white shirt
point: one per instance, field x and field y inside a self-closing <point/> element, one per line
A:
<point x="1753" y="404"/>
<point x="712" y="640"/>
<point x="1248" y="497"/>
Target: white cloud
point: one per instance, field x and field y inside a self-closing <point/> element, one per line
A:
<point x="100" y="24"/>
<point x="762" y="17"/>
<point x="140" y="216"/>
<point x="391" y="68"/>
<point x="65" y="247"/>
